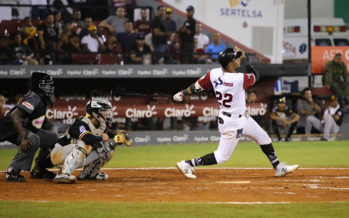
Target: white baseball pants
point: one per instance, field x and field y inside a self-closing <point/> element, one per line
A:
<point x="231" y="133"/>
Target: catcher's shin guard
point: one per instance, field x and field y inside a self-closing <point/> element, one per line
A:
<point x="91" y="170"/>
<point x="75" y="158"/>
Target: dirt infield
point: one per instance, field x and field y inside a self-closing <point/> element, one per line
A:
<point x="212" y="185"/>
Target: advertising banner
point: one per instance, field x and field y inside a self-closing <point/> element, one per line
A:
<point x="320" y="55"/>
<point x="68" y="111"/>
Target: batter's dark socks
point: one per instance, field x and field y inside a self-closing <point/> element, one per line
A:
<point x="269" y="151"/>
<point x="208" y="159"/>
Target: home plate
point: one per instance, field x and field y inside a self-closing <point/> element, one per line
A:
<point x="233" y="182"/>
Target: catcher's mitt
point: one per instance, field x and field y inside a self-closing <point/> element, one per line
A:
<point x="121" y="137"/>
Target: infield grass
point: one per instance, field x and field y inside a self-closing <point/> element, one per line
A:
<point x="156" y="209"/>
<point x="247" y="154"/>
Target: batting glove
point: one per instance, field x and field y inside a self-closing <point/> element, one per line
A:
<point x="178" y="97"/>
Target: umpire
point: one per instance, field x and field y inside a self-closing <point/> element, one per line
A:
<point x="22" y="126"/>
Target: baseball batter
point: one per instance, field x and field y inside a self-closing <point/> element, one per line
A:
<point x="229" y="87"/>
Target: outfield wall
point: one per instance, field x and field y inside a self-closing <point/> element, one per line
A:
<point x="140" y="71"/>
<point x="143" y="138"/>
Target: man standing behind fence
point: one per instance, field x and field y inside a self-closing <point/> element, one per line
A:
<point x="336" y="77"/>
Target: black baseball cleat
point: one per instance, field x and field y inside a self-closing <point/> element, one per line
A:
<point x="13" y="175"/>
<point x="42" y="174"/>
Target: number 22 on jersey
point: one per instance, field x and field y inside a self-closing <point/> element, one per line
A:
<point x="225" y="99"/>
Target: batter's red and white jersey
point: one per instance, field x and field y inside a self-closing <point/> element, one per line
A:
<point x="229" y="88"/>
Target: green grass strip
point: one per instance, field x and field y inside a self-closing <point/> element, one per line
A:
<point x="156" y="209"/>
<point x="247" y="154"/>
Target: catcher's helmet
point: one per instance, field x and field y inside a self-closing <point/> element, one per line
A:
<point x="95" y="106"/>
<point x="228" y="55"/>
<point x="42" y="84"/>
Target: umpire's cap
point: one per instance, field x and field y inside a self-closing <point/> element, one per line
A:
<point x="228" y="55"/>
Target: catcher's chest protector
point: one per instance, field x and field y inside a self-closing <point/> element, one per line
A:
<point x="95" y="131"/>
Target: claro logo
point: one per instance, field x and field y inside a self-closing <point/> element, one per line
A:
<point x="68" y="115"/>
<point x="137" y="113"/>
<point x="144" y="139"/>
<point x="114" y="112"/>
<point x="210" y="112"/>
<point x="175" y="112"/>
<point x="257" y="111"/>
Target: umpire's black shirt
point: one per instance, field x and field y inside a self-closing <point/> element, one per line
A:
<point x="33" y="108"/>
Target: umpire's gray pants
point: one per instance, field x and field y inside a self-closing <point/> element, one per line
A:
<point x="23" y="160"/>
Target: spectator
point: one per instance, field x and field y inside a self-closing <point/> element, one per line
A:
<point x="214" y="48"/>
<point x="186" y="34"/>
<point x="2" y="105"/>
<point x="76" y="20"/>
<point x="149" y="41"/>
<point x="30" y="35"/>
<point x="115" y="24"/>
<point x="170" y="24"/>
<point x="284" y="120"/>
<point x="143" y="24"/>
<point x="251" y="97"/>
<point x="114" y="46"/>
<point x="159" y="37"/>
<point x="69" y="43"/>
<point x="69" y="28"/>
<point x="175" y="48"/>
<point x="307" y="110"/>
<point x="128" y="38"/>
<point x="92" y="42"/>
<point x="84" y="31"/>
<point x="23" y="53"/>
<point x="201" y="40"/>
<point x="336" y="77"/>
<point x="140" y="53"/>
<point x="59" y="24"/>
<point x="48" y="37"/>
<point x="6" y="54"/>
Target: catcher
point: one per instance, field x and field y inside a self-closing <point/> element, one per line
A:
<point x="88" y="143"/>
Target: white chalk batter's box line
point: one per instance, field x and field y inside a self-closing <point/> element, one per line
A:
<point x="216" y="168"/>
<point x="208" y="168"/>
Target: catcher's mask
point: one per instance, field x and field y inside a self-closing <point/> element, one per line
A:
<point x="228" y="55"/>
<point x="100" y="109"/>
<point x="42" y="84"/>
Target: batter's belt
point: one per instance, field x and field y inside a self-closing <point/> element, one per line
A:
<point x="230" y="115"/>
